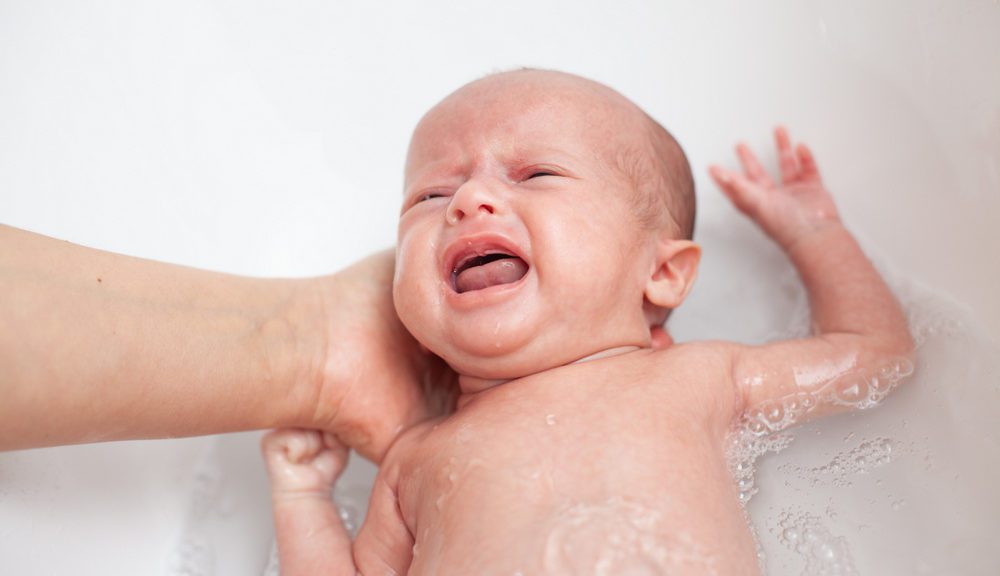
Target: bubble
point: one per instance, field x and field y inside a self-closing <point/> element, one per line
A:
<point x="852" y="391"/>
<point x="824" y="553"/>
<point x="904" y="367"/>
<point x="746" y="443"/>
<point x="775" y="413"/>
<point x="881" y="384"/>
<point x="193" y="557"/>
<point x="865" y="457"/>
<point x="550" y="419"/>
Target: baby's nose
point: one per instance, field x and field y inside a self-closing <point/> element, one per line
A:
<point x="471" y="200"/>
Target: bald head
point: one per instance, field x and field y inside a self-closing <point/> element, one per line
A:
<point x="639" y="148"/>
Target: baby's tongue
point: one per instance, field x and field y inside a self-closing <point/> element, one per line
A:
<point x="502" y="271"/>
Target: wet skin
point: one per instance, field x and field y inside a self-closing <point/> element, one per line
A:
<point x="602" y="463"/>
<point x="575" y="447"/>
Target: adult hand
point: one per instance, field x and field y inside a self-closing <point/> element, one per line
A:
<point x="374" y="378"/>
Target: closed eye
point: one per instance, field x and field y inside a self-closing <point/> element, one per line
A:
<point x="539" y="174"/>
<point x="540" y="171"/>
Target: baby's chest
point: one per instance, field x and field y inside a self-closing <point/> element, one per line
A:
<point x="571" y="444"/>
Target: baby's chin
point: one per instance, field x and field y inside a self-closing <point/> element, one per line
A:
<point x="504" y="364"/>
<point x="505" y="367"/>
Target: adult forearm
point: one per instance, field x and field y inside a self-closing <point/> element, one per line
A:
<point x="98" y="346"/>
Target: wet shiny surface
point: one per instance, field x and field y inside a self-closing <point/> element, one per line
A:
<point x="268" y="140"/>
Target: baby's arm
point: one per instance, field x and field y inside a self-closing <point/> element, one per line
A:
<point x="861" y="344"/>
<point x="303" y="466"/>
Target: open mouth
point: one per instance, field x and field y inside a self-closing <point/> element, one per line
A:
<point x="480" y="271"/>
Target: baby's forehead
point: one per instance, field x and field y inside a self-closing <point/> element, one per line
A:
<point x="526" y="117"/>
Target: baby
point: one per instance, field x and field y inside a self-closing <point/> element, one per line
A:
<point x="544" y="237"/>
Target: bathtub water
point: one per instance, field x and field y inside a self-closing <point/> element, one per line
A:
<point x="905" y="488"/>
<point x="267" y="139"/>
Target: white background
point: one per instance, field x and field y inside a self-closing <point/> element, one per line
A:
<point x="267" y="138"/>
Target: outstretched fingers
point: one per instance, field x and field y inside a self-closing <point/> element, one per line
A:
<point x="809" y="171"/>
<point x="743" y="193"/>
<point x="751" y="166"/>
<point x="787" y="162"/>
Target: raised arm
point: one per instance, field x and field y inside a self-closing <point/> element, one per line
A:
<point x="98" y="346"/>
<point x="861" y="345"/>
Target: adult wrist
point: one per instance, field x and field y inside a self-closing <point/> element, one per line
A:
<point x="302" y="353"/>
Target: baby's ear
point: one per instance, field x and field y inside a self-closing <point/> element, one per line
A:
<point x="674" y="272"/>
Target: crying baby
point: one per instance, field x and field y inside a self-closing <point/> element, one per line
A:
<point x="544" y="237"/>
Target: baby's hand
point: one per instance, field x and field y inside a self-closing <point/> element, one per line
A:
<point x="303" y="462"/>
<point x="787" y="212"/>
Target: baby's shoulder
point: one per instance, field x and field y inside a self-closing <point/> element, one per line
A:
<point x="701" y="355"/>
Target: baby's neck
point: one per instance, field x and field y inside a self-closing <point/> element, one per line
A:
<point x="471" y="386"/>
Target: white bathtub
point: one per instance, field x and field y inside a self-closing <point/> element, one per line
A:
<point x="268" y="139"/>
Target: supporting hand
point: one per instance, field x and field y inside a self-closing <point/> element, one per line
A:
<point x="375" y="379"/>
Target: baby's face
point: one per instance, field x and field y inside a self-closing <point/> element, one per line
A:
<point x="518" y="246"/>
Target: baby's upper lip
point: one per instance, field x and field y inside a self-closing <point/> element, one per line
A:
<point x="464" y="248"/>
